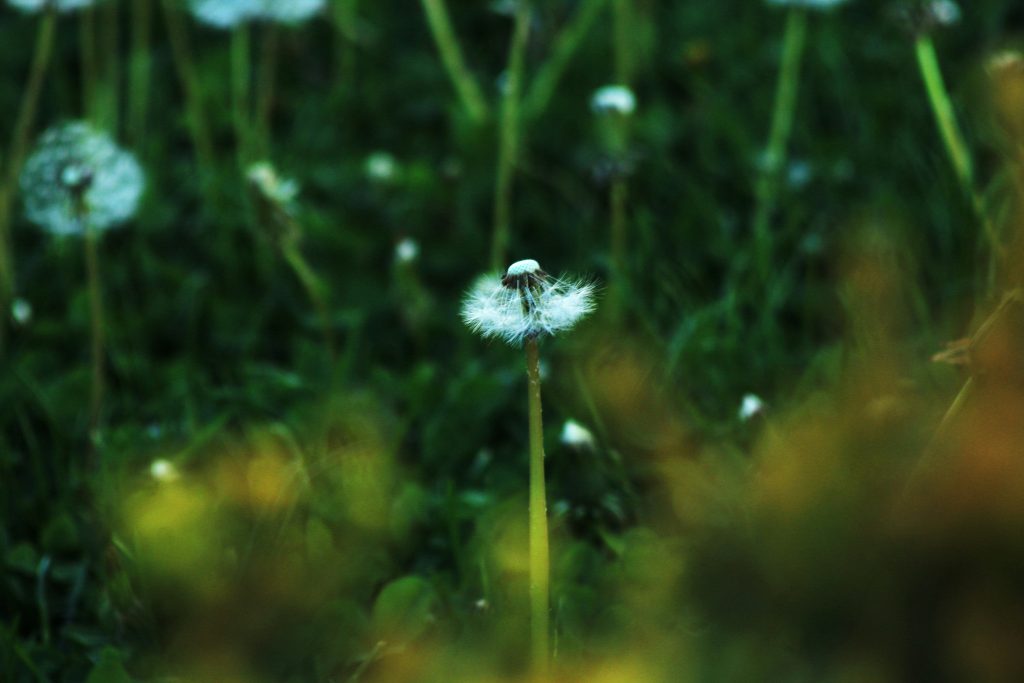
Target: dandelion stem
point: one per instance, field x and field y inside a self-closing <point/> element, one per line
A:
<point x="96" y="320"/>
<point x="623" y="10"/>
<point x="508" y="143"/>
<point x="268" y="68"/>
<point x="182" y="52"/>
<point x="16" y="152"/>
<point x="565" y="47"/>
<point x="539" y="556"/>
<point x="87" y="55"/>
<point x="314" y="290"/>
<point x="953" y="139"/>
<point x="240" y="86"/>
<point x="767" y="186"/>
<point x="106" y="105"/>
<point x="618" y="197"/>
<point x="139" y="70"/>
<point x="451" y="55"/>
<point x="345" y="16"/>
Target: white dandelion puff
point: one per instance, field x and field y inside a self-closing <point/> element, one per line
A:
<point x="163" y="471"/>
<point x="77" y="175"/>
<point x="41" y="5"/>
<point x="617" y="99"/>
<point x="381" y="167"/>
<point x="275" y="188"/>
<point x="230" y="13"/>
<point x="750" y="407"/>
<point x="575" y="435"/>
<point x="407" y="251"/>
<point x="21" y="312"/>
<point x="944" y="12"/>
<point x="525" y="303"/>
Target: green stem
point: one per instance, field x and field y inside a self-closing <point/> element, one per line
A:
<point x="623" y="28"/>
<point x="619" y="195"/>
<point x="345" y="17"/>
<point x="268" y="68"/>
<point x="539" y="553"/>
<point x="16" y="154"/>
<point x="508" y="143"/>
<point x="185" y="66"/>
<point x="139" y="70"/>
<point x="87" y="56"/>
<point x="953" y="139"/>
<point x="240" y="88"/>
<point x="550" y="74"/>
<point x="778" y="141"/>
<point x="314" y="290"/>
<point x="106" y="106"/>
<point x="96" y="320"/>
<point x="451" y="56"/>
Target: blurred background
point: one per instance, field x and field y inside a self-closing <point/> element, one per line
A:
<point x="788" y="445"/>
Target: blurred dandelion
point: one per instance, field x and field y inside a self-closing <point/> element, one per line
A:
<point x="575" y="435"/>
<point x="750" y="407"/>
<point x="43" y="5"/>
<point x="809" y="4"/>
<point x="520" y="307"/>
<point x="275" y="189"/>
<point x="21" y="312"/>
<point x="78" y="182"/>
<point x="407" y="251"/>
<point x="231" y="13"/>
<point x="617" y="99"/>
<point x="381" y="167"/>
<point x="163" y="471"/>
<point x="77" y="175"/>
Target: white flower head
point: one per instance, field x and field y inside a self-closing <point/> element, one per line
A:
<point x="21" y="312"/>
<point x="750" y="407"/>
<point x="575" y="435"/>
<point x="163" y="471"/>
<point x="407" y="251"/>
<point x="77" y="175"/>
<point x="274" y="188"/>
<point x="618" y="99"/>
<point x="41" y="5"/>
<point x="809" y="4"/>
<point x="381" y="167"/>
<point x="525" y="303"/>
<point x="944" y="12"/>
<point x="230" y="13"/>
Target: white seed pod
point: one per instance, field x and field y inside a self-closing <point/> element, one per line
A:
<point x="77" y="174"/>
<point x="575" y="435"/>
<point x="618" y="99"/>
<point x="526" y="303"/>
<point x="750" y="407"/>
<point x="42" y="5"/>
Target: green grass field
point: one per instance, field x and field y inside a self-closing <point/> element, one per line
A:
<point x="246" y="436"/>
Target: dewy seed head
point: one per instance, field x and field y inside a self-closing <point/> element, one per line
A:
<point x="524" y="274"/>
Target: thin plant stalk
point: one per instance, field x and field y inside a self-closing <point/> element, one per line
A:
<point x="88" y="59"/>
<point x="139" y="69"/>
<point x="16" y="152"/>
<point x="315" y="290"/>
<point x="550" y="74"/>
<point x="240" y="93"/>
<point x="539" y="552"/>
<point x="267" y="78"/>
<point x="778" y="141"/>
<point x="451" y="56"/>
<point x="107" y="87"/>
<point x="953" y="139"/>
<point x="623" y="29"/>
<point x="96" y="321"/>
<point x="508" y="140"/>
<point x="619" y="194"/>
<point x="345" y="17"/>
<point x="185" y="66"/>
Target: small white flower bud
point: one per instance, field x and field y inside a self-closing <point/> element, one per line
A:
<point x="163" y="471"/>
<point x="751" y="407"/>
<point x="381" y="167"/>
<point x="21" y="312"/>
<point x="575" y="435"/>
<point x="407" y="251"/>
<point x="617" y="99"/>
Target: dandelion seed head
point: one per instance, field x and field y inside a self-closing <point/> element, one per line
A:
<point x="575" y="435"/>
<point x="525" y="303"/>
<point x="407" y="251"/>
<point x="381" y="167"/>
<point x="275" y="188"/>
<point x="750" y="407"/>
<point x="617" y="99"/>
<point x="78" y="174"/>
<point x="163" y="471"/>
<point x="230" y="13"/>
<point x="40" y="5"/>
<point x="944" y="12"/>
<point x="21" y="312"/>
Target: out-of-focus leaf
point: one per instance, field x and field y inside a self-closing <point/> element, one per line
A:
<point x="404" y="609"/>
<point x="109" y="669"/>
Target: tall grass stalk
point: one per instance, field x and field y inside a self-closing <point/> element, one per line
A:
<point x="107" y="91"/>
<point x="345" y="15"/>
<point x="623" y="30"/>
<point x="96" y="324"/>
<point x="140" y="68"/>
<point x="451" y="56"/>
<point x="265" y="98"/>
<point x="767" y="186"/>
<point x="953" y="139"/>
<point x="550" y="74"/>
<point x="88" y="60"/>
<point x="508" y="135"/>
<point x="240" y="93"/>
<point x="185" y="66"/>
<point x="539" y="552"/>
<point x="43" y="52"/>
<point x="315" y="290"/>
